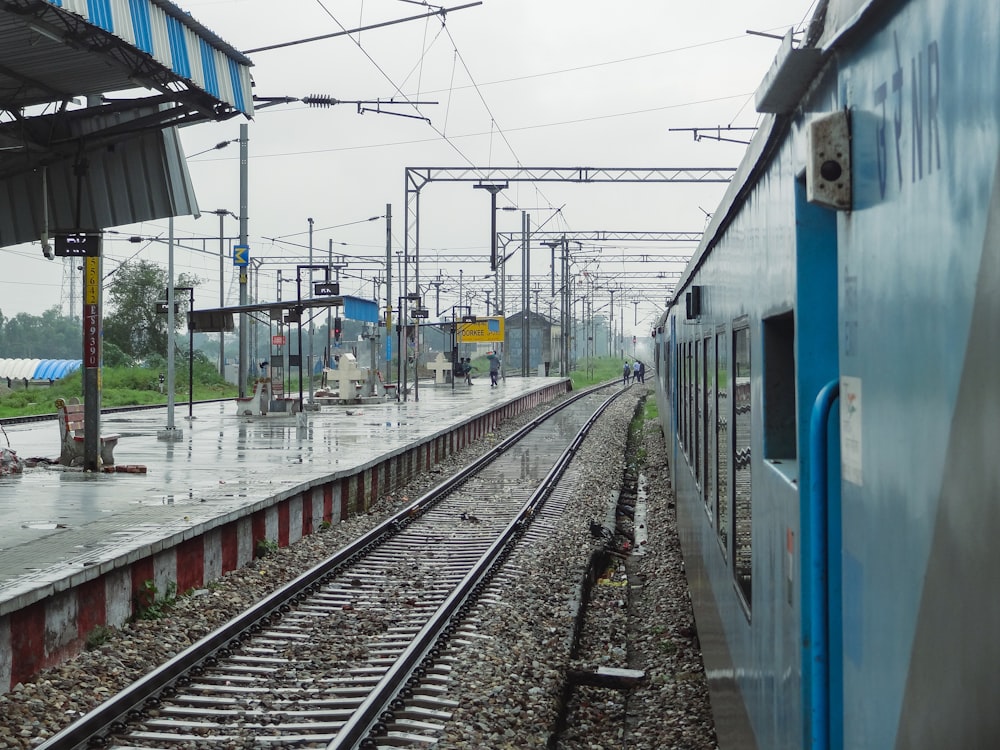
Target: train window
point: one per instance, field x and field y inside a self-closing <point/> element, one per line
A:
<point x="666" y="376"/>
<point x="686" y="409"/>
<point x="722" y="441"/>
<point x="681" y="359"/>
<point x="687" y="399"/>
<point x="708" y="425"/>
<point x="742" y="505"/>
<point x="779" y="387"/>
<point x="696" y="413"/>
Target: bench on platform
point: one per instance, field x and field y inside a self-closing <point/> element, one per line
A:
<point x="71" y="431"/>
<point x="259" y="402"/>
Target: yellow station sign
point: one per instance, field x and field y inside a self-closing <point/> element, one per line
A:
<point x="483" y="330"/>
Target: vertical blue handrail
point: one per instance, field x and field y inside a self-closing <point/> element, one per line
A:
<point x="818" y="647"/>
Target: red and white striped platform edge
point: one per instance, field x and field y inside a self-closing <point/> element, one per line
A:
<point x="55" y="627"/>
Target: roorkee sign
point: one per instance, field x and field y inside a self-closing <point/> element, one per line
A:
<point x="485" y="330"/>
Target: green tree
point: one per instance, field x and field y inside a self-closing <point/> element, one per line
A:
<point x="133" y="325"/>
<point x="46" y="336"/>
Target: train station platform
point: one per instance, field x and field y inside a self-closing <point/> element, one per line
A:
<point x="75" y="547"/>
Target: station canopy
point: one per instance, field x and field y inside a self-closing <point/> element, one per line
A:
<point x="101" y="161"/>
<point x="355" y="308"/>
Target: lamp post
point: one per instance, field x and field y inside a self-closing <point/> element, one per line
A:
<point x="493" y="189"/>
<point x="310" y="361"/>
<point x="171" y="433"/>
<point x="298" y="296"/>
<point x="190" y="291"/>
<point x="337" y="268"/>
<point x="222" y="213"/>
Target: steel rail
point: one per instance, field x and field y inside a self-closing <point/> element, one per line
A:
<point x="372" y="712"/>
<point x="111" y="714"/>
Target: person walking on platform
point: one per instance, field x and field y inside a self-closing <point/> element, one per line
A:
<point x="626" y="373"/>
<point x="494" y="359"/>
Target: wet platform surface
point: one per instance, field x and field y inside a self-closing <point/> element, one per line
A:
<point x="52" y="518"/>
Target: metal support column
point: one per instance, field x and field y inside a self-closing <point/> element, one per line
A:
<point x="245" y="367"/>
<point x="525" y="295"/>
<point x="388" y="293"/>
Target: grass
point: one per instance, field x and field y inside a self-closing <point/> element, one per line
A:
<point x="595" y="370"/>
<point x="98" y="636"/>
<point x="266" y="547"/>
<point x="120" y="386"/>
<point x="651" y="412"/>
<point x="149" y="605"/>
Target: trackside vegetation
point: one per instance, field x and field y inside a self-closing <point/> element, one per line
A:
<point x="121" y="386"/>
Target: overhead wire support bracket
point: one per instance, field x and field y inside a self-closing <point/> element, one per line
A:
<point x="325" y="100"/>
<point x="377" y="110"/>
<point x="702" y="133"/>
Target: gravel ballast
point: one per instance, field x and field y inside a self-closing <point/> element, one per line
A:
<point x="510" y="686"/>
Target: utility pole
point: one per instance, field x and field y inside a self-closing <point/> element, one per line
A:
<point x="388" y="294"/>
<point x="310" y="359"/>
<point x="525" y="295"/>
<point x="221" y="212"/>
<point x="328" y="349"/>
<point x="565" y="307"/>
<point x="245" y="366"/>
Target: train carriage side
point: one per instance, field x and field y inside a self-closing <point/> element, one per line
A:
<point x="895" y="303"/>
<point x="920" y="418"/>
<point x="736" y="451"/>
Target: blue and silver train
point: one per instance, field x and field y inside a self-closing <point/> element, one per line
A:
<point x="828" y="376"/>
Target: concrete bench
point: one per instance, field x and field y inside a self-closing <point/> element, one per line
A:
<point x="257" y="403"/>
<point x="72" y="435"/>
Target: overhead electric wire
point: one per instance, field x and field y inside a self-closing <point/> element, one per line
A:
<point x="484" y="133"/>
<point x="430" y="124"/>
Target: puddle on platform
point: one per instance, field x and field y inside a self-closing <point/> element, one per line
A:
<point x="43" y="525"/>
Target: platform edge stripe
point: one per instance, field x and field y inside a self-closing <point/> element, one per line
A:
<point x="92" y="606"/>
<point x="282" y="517"/>
<point x="328" y="490"/>
<point x="295" y="516"/>
<point x="117" y="596"/>
<point x="6" y="653"/>
<point x="190" y="563"/>
<point x="61" y="639"/>
<point x="244" y="540"/>
<point x="212" y="555"/>
<point x="165" y="569"/>
<point x="271" y="527"/>
<point x="27" y="641"/>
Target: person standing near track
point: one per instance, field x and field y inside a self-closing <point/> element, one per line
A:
<point x="626" y="372"/>
<point x="494" y="359"/>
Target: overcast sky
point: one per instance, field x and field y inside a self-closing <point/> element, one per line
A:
<point x="536" y="83"/>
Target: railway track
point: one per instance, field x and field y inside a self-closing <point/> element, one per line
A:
<point x="352" y="653"/>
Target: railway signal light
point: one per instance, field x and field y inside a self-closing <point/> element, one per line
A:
<point x="337" y="329"/>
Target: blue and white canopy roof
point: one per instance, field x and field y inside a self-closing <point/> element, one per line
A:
<point x="75" y="164"/>
<point x="38" y="369"/>
<point x="59" y="49"/>
<point x="175" y="40"/>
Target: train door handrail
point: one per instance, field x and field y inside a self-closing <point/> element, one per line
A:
<point x="817" y="647"/>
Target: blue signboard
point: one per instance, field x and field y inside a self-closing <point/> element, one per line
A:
<point x="241" y="255"/>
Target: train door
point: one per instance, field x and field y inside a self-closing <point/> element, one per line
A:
<point x="816" y="364"/>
